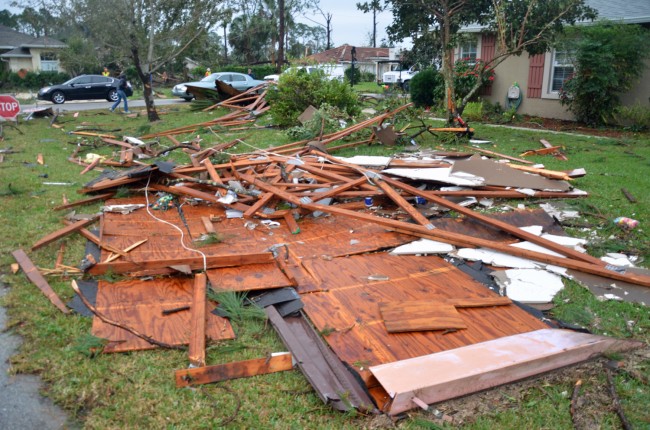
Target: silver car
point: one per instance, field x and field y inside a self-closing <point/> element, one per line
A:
<point x="239" y="81"/>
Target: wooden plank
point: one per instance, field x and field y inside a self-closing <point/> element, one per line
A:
<point x="496" y="154"/>
<point x="402" y="203"/>
<point x="212" y="171"/>
<point x="37" y="279"/>
<point x="479" y="302"/>
<point x="196" y="351"/>
<point x="63" y="232"/>
<point x="449" y="374"/>
<point x="291" y="223"/>
<point x="420" y="316"/>
<point x="209" y="227"/>
<point x="82" y="202"/>
<point x="278" y="362"/>
<point x="196" y="263"/>
<point x="124" y="253"/>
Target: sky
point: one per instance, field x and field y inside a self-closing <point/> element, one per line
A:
<point x="349" y="25"/>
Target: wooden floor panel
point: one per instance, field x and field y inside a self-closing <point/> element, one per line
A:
<point x="318" y="237"/>
<point x="347" y="311"/>
<point x="139" y="305"/>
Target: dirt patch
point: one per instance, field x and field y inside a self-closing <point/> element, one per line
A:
<point x="566" y="126"/>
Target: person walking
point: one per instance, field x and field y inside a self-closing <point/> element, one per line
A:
<point x="208" y="72"/>
<point x="106" y="73"/>
<point x="121" y="94"/>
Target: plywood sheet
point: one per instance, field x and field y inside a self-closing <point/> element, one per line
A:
<point x="420" y="315"/>
<point x="139" y="305"/>
<point x="248" y="278"/>
<point x="346" y="307"/>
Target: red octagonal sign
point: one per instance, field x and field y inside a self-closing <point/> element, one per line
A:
<point x="9" y="106"/>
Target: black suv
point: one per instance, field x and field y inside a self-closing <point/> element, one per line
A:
<point x="83" y="87"/>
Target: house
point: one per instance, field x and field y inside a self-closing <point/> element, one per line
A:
<point x="540" y="77"/>
<point x="24" y="52"/>
<point x="372" y="60"/>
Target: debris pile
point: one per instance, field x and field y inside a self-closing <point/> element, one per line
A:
<point x="345" y="256"/>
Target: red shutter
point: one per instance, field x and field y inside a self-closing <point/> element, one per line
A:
<point x="536" y="76"/>
<point x="488" y="46"/>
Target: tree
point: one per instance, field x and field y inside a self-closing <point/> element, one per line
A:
<point x="375" y="7"/>
<point x="147" y="34"/>
<point x="8" y="19"/>
<point x="37" y="23"/>
<point x="609" y="58"/>
<point x="519" y="25"/>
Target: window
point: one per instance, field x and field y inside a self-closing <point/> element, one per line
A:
<point x="469" y="49"/>
<point x="49" y="62"/>
<point x="562" y="69"/>
<point x="558" y="67"/>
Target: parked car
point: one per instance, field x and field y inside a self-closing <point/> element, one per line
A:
<point x="239" y="81"/>
<point x="400" y="78"/>
<point x="83" y="87"/>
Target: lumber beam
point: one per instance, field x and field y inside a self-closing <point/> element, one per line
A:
<point x="196" y="263"/>
<point x="198" y="321"/>
<point x="37" y="279"/>
<point x="63" y="232"/>
<point x="278" y="362"/>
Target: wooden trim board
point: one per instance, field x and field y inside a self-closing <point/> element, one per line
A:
<point x="457" y="372"/>
<point x="277" y="362"/>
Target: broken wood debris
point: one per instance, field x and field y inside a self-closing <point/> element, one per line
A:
<point x="296" y="216"/>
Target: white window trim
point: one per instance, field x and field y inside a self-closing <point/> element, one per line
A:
<point x="547" y="93"/>
<point x="479" y="39"/>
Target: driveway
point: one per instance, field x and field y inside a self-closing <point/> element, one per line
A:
<point x="21" y="405"/>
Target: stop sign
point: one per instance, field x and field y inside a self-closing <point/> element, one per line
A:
<point x="9" y="106"/>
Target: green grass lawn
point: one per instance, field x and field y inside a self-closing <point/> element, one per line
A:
<point x="137" y="390"/>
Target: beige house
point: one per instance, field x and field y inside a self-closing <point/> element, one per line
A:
<point x="540" y="77"/>
<point x="24" y="52"/>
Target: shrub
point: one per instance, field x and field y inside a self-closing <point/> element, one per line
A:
<point x="34" y="81"/>
<point x="473" y="111"/>
<point x="353" y="75"/>
<point x="368" y="77"/>
<point x="635" y="118"/>
<point x="466" y="75"/>
<point x="608" y="59"/>
<point x="298" y="89"/>
<point x="427" y="88"/>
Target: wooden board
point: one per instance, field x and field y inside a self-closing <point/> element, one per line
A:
<point x="37" y="279"/>
<point x="140" y="305"/>
<point x="488" y="364"/>
<point x="196" y="351"/>
<point x="419" y="316"/>
<point x="278" y="362"/>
